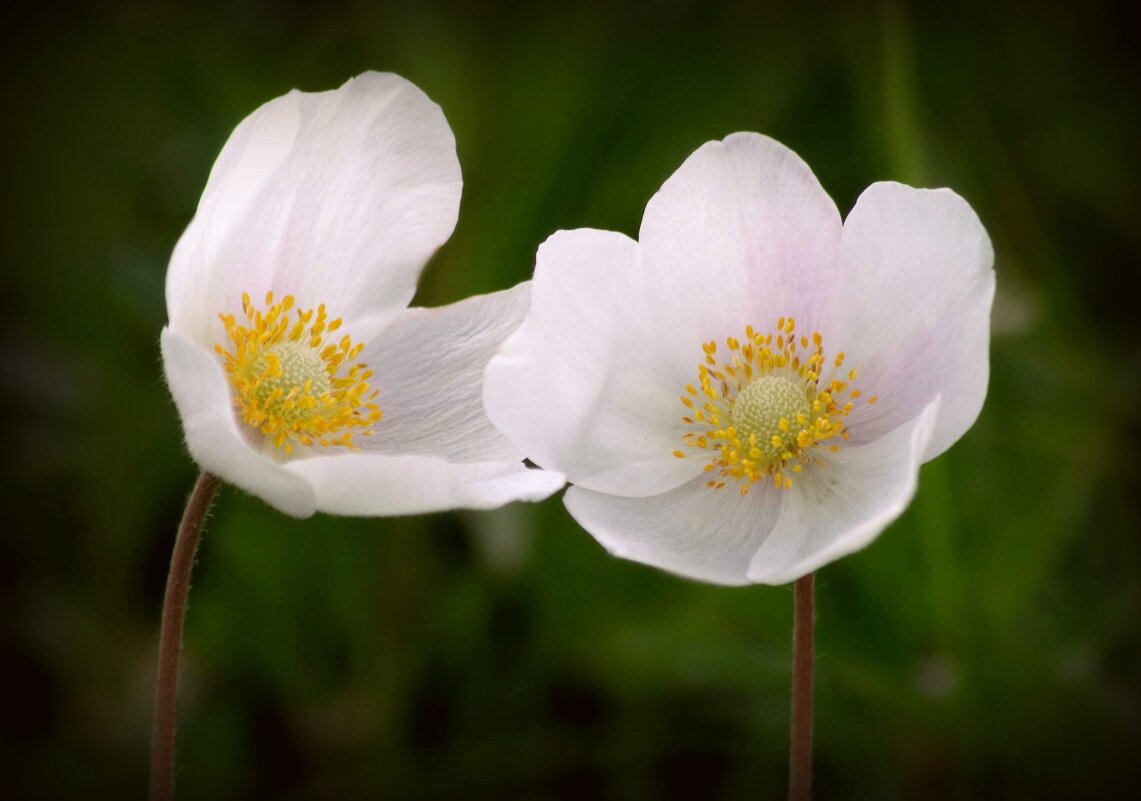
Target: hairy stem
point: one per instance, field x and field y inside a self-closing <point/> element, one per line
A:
<point x="170" y="636"/>
<point x="800" y="741"/>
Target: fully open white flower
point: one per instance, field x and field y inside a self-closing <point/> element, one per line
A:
<point x="298" y="371"/>
<point x="747" y="392"/>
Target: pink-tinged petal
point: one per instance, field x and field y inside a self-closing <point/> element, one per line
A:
<point x="912" y="309"/>
<point x="429" y="365"/>
<point x="741" y="234"/>
<point x="590" y="385"/>
<point x="335" y="197"/>
<point x="202" y="396"/>
<point x="580" y="387"/>
<point x="694" y="530"/>
<point x="836" y="509"/>
<point x="378" y="485"/>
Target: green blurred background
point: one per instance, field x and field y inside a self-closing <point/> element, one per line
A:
<point x="986" y="646"/>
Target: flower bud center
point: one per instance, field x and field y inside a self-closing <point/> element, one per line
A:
<point x="768" y="407"/>
<point x="292" y="368"/>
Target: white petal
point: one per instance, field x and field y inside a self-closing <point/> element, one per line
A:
<point x="336" y="197"/>
<point x="429" y="366"/>
<point x="741" y="234"/>
<point x="694" y="530"/>
<point x="770" y="536"/>
<point x="839" y="508"/>
<point x="912" y="310"/>
<point x="378" y="485"/>
<point x="203" y="399"/>
<point x="579" y="387"/>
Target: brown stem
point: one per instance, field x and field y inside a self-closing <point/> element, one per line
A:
<point x="800" y="741"/>
<point x="170" y="637"/>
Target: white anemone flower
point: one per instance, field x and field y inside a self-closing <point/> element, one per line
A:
<point x="748" y="391"/>
<point x="299" y="373"/>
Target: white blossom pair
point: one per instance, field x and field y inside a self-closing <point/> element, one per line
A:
<point x="742" y="395"/>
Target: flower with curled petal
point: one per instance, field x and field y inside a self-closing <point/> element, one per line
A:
<point x="747" y="391"/>
<point x="298" y="371"/>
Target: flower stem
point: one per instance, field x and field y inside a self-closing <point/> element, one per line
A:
<point x="170" y="637"/>
<point x="800" y="740"/>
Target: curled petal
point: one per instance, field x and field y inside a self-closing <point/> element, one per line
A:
<point x="770" y="536"/>
<point x="380" y="485"/>
<point x="693" y="530"/>
<point x="844" y="505"/>
<point x="578" y="387"/>
<point x="912" y="309"/>
<point x="203" y="399"/>
<point x="335" y="197"/>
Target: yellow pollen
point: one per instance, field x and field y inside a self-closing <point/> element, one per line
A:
<point x="768" y="408"/>
<point x="293" y="385"/>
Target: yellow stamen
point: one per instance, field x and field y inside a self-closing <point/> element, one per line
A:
<point x="289" y="384"/>
<point x="768" y="406"/>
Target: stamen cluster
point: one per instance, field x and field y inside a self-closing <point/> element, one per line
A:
<point x="285" y="376"/>
<point x="763" y="409"/>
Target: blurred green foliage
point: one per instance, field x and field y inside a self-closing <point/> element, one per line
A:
<point x="985" y="646"/>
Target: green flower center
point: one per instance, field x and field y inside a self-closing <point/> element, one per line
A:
<point x="290" y="367"/>
<point x="768" y="408"/>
